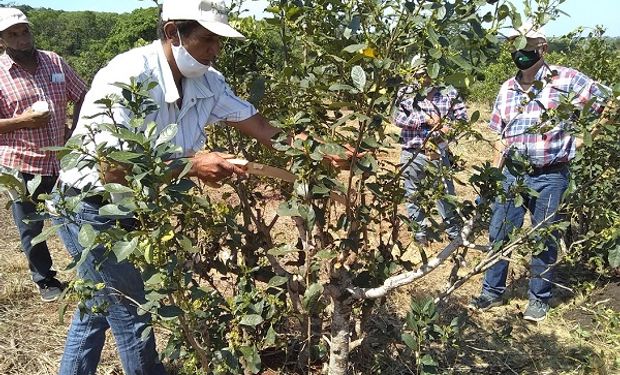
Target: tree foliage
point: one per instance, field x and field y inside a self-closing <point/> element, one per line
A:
<point x="226" y="285"/>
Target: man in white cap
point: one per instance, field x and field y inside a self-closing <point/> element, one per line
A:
<point x="189" y="93"/>
<point x="35" y="88"/>
<point x="547" y="147"/>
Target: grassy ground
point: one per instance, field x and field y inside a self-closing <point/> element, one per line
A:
<point x="581" y="335"/>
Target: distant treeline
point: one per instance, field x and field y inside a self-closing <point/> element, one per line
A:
<point x="88" y="40"/>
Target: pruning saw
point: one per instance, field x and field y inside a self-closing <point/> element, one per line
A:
<point x="259" y="169"/>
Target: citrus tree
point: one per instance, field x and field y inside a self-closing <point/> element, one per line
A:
<point x="223" y="279"/>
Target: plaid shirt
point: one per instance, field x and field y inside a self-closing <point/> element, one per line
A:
<point x="55" y="82"/>
<point x="412" y="113"/>
<point x="518" y="119"/>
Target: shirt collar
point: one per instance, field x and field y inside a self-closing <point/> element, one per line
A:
<point x="541" y="74"/>
<point x="196" y="87"/>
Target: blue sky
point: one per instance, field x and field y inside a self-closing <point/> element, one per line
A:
<point x="588" y="13"/>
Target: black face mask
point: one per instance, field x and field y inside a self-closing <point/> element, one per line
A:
<point x="525" y="59"/>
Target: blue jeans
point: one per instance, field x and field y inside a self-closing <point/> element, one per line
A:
<point x="86" y="336"/>
<point x="506" y="217"/>
<point x="39" y="259"/>
<point x="412" y="176"/>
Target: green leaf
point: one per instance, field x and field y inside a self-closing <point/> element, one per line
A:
<point x="167" y="134"/>
<point x="70" y="161"/>
<point x="282" y="250"/>
<point x="312" y="295"/>
<point x="33" y="184"/>
<point x="288" y="209"/>
<point x="54" y="148"/>
<point x="45" y="234"/>
<point x="435" y="53"/>
<point x="475" y="117"/>
<point x="516" y="21"/>
<point x="427" y="360"/>
<point x="114" y="211"/>
<point x="8" y="181"/>
<point x="614" y="257"/>
<point x="354" y="48"/>
<point x="520" y="42"/>
<point x="124" y="156"/>
<point x="409" y="340"/>
<point x="270" y="338"/>
<point x="359" y="77"/>
<point x="117" y="188"/>
<point x="326" y="255"/>
<point x="146" y="333"/>
<point x="123" y="249"/>
<point x="87" y="235"/>
<point x="277" y="281"/>
<point x="128" y="135"/>
<point x="320" y="191"/>
<point x="518" y="201"/>
<point x="251" y="358"/>
<point x="251" y="320"/>
<point x="433" y="70"/>
<point x="370" y="142"/>
<point x="169" y="312"/>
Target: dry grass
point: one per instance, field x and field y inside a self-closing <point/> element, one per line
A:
<point x="495" y="342"/>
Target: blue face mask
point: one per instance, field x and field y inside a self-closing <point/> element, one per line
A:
<point x="525" y="59"/>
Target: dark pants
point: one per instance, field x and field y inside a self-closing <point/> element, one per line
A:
<point x="39" y="259"/>
<point x="506" y="217"/>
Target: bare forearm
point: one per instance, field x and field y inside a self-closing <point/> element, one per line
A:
<point x="76" y="112"/>
<point x="257" y="127"/>
<point x="499" y="154"/>
<point x="9" y="125"/>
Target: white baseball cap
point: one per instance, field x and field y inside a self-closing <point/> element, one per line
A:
<point x="527" y="30"/>
<point x="10" y="17"/>
<point x="212" y="15"/>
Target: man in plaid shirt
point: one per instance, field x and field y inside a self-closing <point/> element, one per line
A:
<point x="424" y="120"/>
<point x="35" y="87"/>
<point x="547" y="147"/>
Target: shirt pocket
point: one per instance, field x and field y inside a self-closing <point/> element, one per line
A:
<point x="57" y="91"/>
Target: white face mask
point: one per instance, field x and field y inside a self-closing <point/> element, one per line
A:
<point x="187" y="64"/>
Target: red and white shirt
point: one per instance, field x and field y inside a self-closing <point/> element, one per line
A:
<point x="518" y="115"/>
<point x="55" y="82"/>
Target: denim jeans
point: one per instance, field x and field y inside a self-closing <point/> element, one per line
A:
<point x="506" y="217"/>
<point x="86" y="336"/>
<point x="412" y="176"/>
<point x="39" y="259"/>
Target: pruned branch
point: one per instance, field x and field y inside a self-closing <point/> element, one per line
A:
<point x="395" y="282"/>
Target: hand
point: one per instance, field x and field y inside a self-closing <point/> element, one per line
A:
<point x="433" y="120"/>
<point x="578" y="143"/>
<point x="339" y="162"/>
<point x="34" y="120"/>
<point x="212" y="167"/>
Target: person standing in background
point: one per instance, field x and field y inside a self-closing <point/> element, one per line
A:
<point x="424" y="121"/>
<point x="35" y="88"/>
<point x="518" y="118"/>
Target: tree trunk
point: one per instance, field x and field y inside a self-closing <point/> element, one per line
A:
<point x="341" y="335"/>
